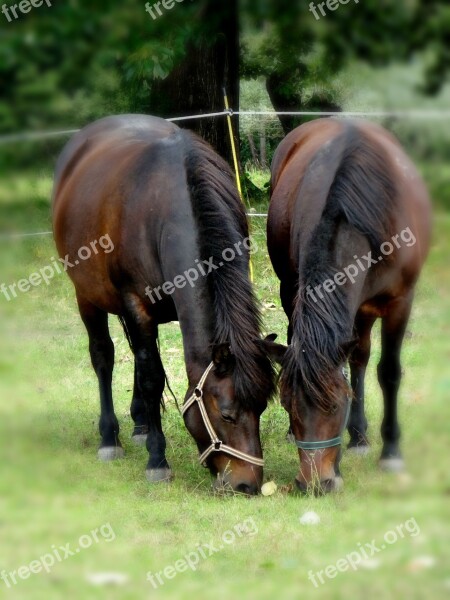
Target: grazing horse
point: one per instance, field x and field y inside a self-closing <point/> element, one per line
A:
<point x="169" y="206"/>
<point x="348" y="232"/>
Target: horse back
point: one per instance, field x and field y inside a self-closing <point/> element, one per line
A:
<point x="306" y="166"/>
<point x="120" y="177"/>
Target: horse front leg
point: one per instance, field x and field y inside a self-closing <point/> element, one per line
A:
<point x="146" y="405"/>
<point x="359" y="359"/>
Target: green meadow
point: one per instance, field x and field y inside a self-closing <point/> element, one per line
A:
<point x="53" y="490"/>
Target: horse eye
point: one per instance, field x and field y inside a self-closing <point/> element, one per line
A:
<point x="228" y="418"/>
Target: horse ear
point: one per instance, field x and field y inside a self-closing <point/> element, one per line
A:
<point x="276" y="352"/>
<point x="348" y="347"/>
<point x="222" y="358"/>
<point x="271" y="337"/>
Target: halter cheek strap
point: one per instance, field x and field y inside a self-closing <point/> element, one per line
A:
<point x="336" y="441"/>
<point x="216" y="444"/>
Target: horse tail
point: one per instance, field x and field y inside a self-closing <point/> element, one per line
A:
<point x="348" y="179"/>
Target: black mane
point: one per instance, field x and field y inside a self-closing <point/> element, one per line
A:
<point x="222" y="222"/>
<point x="362" y="194"/>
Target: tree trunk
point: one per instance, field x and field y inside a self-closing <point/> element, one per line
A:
<point x="195" y="85"/>
<point x="284" y="101"/>
<point x="288" y="101"/>
<point x="251" y="143"/>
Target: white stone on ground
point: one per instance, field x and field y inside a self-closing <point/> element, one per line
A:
<point x="421" y="563"/>
<point x="310" y="518"/>
<point x="107" y="579"/>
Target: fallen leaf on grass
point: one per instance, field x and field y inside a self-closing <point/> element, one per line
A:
<point x="286" y="489"/>
<point x="269" y="306"/>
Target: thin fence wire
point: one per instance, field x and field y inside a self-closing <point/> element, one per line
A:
<point x="36" y="135"/>
<point x="413" y="114"/>
<point x="399" y="114"/>
<point x="17" y="236"/>
<point x="203" y="116"/>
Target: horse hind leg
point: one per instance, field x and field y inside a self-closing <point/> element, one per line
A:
<point x="359" y="359"/>
<point x="389" y="376"/>
<point x="139" y="413"/>
<point x="101" y="349"/>
<point x="146" y="404"/>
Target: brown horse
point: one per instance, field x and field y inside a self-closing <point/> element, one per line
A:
<point x="179" y="251"/>
<point x="348" y="232"/>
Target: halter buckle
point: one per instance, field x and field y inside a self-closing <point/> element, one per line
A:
<point x="217" y="445"/>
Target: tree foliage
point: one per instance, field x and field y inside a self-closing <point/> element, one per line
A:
<point x="79" y="60"/>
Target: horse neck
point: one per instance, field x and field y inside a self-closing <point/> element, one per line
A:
<point x="196" y="317"/>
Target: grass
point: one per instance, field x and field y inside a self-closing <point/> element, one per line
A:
<point x="53" y="490"/>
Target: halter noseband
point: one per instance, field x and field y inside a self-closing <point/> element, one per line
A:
<point x="336" y="441"/>
<point x="216" y="444"/>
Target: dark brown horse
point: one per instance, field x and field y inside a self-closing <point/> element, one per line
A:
<point x="348" y="233"/>
<point x="169" y="207"/>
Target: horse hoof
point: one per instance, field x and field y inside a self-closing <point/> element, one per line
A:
<point x="139" y="439"/>
<point x="338" y="484"/>
<point x="109" y="453"/>
<point x="159" y="475"/>
<point x="392" y="465"/>
<point x="359" y="450"/>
